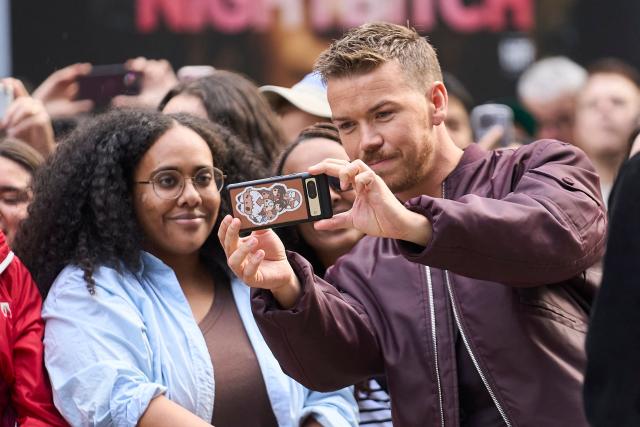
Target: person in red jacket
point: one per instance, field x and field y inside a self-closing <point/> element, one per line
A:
<point x="25" y="393"/>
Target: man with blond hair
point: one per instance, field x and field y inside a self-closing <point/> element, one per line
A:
<point x="468" y="292"/>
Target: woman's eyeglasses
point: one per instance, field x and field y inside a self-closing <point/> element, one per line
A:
<point x="169" y="184"/>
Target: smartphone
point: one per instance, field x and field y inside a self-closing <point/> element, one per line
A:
<point x="106" y="81"/>
<point x="280" y="201"/>
<point x="6" y="98"/>
<point x="486" y="116"/>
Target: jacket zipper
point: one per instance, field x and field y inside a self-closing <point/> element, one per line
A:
<point x="432" y="314"/>
<point x="483" y="377"/>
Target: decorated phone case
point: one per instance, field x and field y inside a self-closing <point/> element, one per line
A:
<point x="280" y="201"/>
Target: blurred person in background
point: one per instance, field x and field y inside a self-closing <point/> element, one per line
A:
<point x="300" y="106"/>
<point x="548" y="90"/>
<point x="607" y="114"/>
<point x="145" y="324"/>
<point x="323" y="248"/>
<point x="233" y="101"/>
<point x="26" y="118"/>
<point x="460" y="104"/>
<point x="25" y="393"/>
<point x="18" y="164"/>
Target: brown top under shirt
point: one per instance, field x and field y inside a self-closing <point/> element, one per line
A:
<point x="241" y="396"/>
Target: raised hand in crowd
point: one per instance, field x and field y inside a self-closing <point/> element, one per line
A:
<point x="158" y="78"/>
<point x="59" y="90"/>
<point x="27" y="119"/>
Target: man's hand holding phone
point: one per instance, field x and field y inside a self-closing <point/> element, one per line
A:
<point x="259" y="260"/>
<point x="376" y="211"/>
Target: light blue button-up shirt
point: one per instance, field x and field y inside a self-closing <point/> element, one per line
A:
<point x="110" y="353"/>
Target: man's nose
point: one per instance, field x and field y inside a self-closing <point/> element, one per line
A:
<point x="370" y="138"/>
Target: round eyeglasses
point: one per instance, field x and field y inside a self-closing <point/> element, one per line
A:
<point x="169" y="184"/>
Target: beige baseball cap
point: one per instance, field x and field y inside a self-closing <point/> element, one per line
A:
<point x="309" y="95"/>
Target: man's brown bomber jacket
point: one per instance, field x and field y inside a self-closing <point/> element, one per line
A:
<point x="512" y="238"/>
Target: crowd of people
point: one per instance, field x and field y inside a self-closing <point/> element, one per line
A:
<point x="455" y="284"/>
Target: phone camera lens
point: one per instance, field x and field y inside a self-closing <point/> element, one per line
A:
<point x="312" y="190"/>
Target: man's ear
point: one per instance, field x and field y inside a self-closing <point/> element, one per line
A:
<point x="439" y="98"/>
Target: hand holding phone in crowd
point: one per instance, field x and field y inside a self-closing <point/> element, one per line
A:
<point x="24" y="117"/>
<point x="59" y="91"/>
<point x="105" y="82"/>
<point x="157" y="78"/>
<point x="493" y="126"/>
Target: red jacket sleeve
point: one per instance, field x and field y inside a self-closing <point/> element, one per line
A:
<point x="31" y="393"/>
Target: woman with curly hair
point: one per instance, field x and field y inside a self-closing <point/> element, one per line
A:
<point x="233" y="101"/>
<point x="140" y="306"/>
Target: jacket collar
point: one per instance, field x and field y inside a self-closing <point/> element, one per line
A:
<point x="470" y="155"/>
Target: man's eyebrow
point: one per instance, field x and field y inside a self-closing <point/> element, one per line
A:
<point x="379" y="105"/>
<point x="369" y="111"/>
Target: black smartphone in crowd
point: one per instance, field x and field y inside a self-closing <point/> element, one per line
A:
<point x="280" y="201"/>
<point x="106" y="81"/>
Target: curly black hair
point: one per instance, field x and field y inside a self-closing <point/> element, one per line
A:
<point x="83" y="212"/>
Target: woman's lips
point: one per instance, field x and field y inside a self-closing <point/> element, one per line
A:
<point x="188" y="219"/>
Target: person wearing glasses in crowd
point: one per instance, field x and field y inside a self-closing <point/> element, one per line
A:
<point x="145" y="325"/>
<point x="18" y="164"/>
